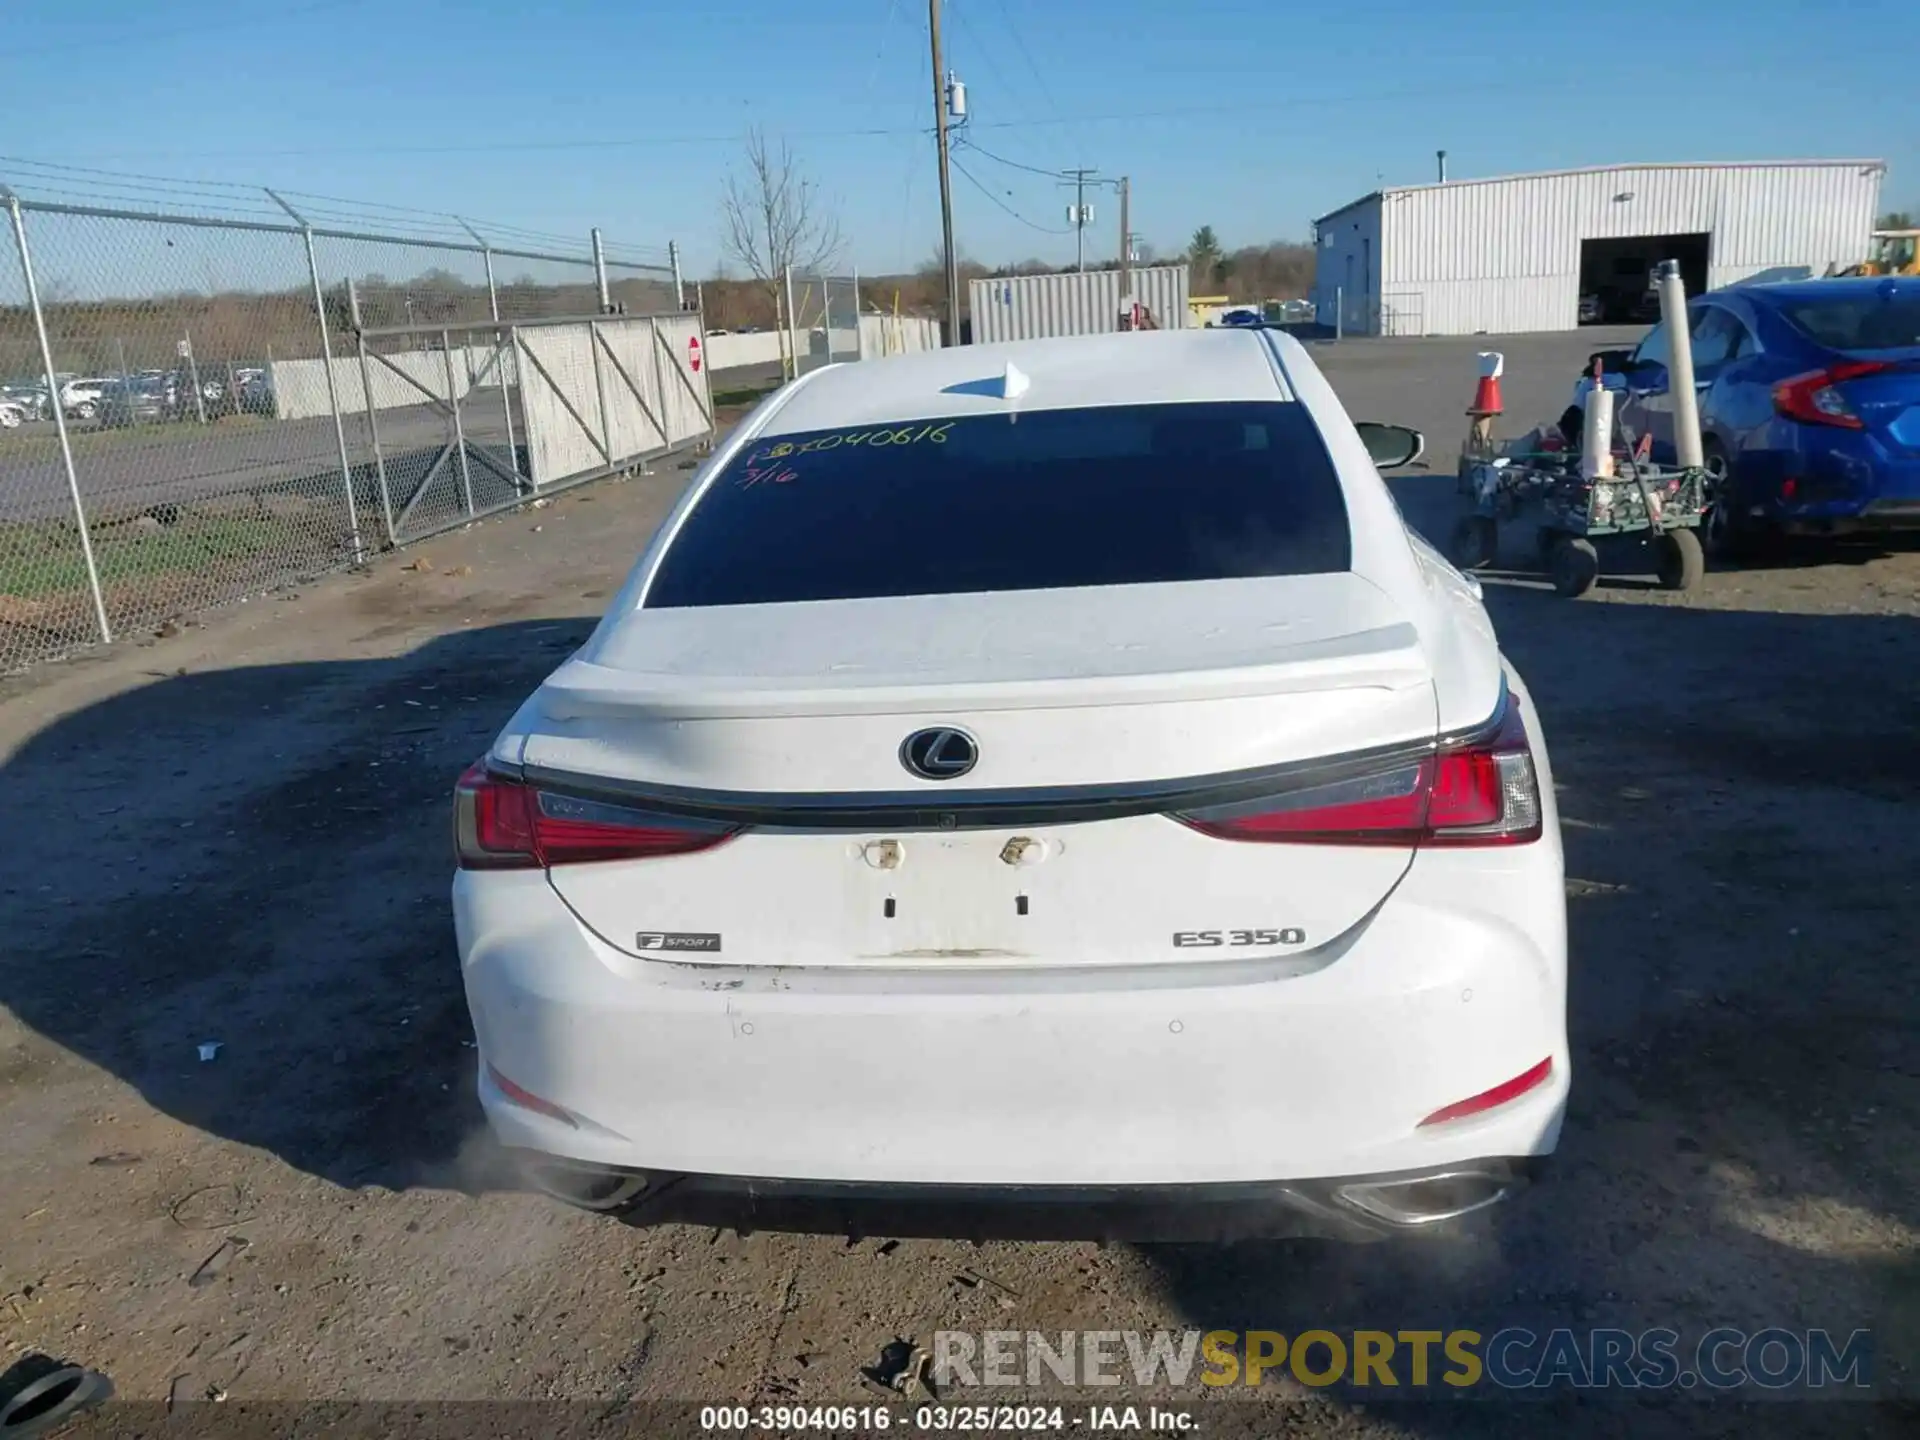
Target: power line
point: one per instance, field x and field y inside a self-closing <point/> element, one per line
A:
<point x="54" y="168"/>
<point x="1046" y="91"/>
<point x="986" y="55"/>
<point x="1130" y="117"/>
<point x="886" y="30"/>
<point x="984" y="190"/>
<point x="1014" y="164"/>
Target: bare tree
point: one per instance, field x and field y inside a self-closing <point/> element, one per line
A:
<point x="775" y="217"/>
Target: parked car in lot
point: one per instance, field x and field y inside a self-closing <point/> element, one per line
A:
<point x="80" y="397"/>
<point x="1239" y="317"/>
<point x="255" y="395"/>
<point x="1188" y="840"/>
<point x="29" y="398"/>
<point x="1809" y="406"/>
<point x="140" y="400"/>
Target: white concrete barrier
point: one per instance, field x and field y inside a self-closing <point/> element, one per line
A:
<point x="725" y="352"/>
<point x="882" y="335"/>
<point x="300" y="386"/>
<point x="485" y="371"/>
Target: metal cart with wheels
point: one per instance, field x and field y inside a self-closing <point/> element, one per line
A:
<point x="1659" y="505"/>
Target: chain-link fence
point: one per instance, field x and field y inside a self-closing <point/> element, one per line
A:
<point x="822" y="319"/>
<point x="199" y="406"/>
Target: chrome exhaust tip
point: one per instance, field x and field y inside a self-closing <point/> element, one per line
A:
<point x="1414" y="1202"/>
<point x="583" y="1186"/>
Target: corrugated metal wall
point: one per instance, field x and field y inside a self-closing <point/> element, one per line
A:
<point x="1030" y="307"/>
<point x="1348" y="267"/>
<point x="1504" y="255"/>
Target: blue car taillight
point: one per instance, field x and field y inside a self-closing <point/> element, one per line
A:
<point x="1815" y="399"/>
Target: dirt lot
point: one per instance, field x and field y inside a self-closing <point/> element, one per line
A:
<point x="238" y="834"/>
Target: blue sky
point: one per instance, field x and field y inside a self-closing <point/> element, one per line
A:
<point x="1251" y="117"/>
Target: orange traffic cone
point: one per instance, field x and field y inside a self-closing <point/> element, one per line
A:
<point x="1486" y="405"/>
<point x="1486" y="395"/>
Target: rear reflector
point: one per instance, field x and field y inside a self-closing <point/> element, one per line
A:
<point x="501" y="824"/>
<point x="1491" y="1099"/>
<point x="1483" y="792"/>
<point x="527" y="1100"/>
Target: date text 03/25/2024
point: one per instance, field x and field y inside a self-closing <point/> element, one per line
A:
<point x="946" y="1419"/>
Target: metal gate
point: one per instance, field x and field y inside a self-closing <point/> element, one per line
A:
<point x="608" y="393"/>
<point x="464" y="420"/>
<point x="1403" y="313"/>
<point x="438" y="407"/>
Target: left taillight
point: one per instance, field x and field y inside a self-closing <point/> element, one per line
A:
<point x="502" y="824"/>
<point x="1482" y="792"/>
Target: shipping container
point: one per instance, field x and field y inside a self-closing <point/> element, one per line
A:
<point x="1031" y="307"/>
<point x="1520" y="252"/>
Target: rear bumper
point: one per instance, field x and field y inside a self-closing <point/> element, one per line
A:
<point x="1820" y="480"/>
<point x="1352" y="1208"/>
<point x="1209" y="1073"/>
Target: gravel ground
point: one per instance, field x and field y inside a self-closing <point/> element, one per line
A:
<point x="238" y="834"/>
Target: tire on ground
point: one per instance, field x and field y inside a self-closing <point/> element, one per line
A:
<point x="1678" y="559"/>
<point x="1476" y="541"/>
<point x="1574" y="565"/>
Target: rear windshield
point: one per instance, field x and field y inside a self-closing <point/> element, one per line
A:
<point x="1860" y="322"/>
<point x="1027" y="501"/>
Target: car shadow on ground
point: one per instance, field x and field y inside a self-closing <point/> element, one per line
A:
<point x="1737" y="792"/>
<point x="260" y="858"/>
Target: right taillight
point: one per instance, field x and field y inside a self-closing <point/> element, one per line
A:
<point x="1482" y="792"/>
<point x="1813" y="398"/>
<point x="502" y="824"/>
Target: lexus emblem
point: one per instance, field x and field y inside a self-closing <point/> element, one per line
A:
<point x="943" y="754"/>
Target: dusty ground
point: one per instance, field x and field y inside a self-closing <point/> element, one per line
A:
<point x="238" y="834"/>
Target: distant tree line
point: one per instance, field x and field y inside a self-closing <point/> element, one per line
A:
<point x="99" y="337"/>
<point x="1277" y="270"/>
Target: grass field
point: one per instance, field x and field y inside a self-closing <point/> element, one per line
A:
<point x="46" y="559"/>
<point x="43" y="441"/>
<point x="747" y="395"/>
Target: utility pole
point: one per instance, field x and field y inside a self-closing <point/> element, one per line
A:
<point x="946" y="180"/>
<point x="1081" y="215"/>
<point x="1126" y="254"/>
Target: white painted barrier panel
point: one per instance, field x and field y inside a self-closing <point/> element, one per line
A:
<point x="882" y="335"/>
<point x="300" y="386"/>
<point x="688" y="404"/>
<point x="604" y="394"/>
<point x="560" y="399"/>
<point x="726" y="352"/>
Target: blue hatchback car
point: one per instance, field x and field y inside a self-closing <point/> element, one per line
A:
<point x="1809" y="406"/>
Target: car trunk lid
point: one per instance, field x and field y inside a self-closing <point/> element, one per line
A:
<point x="1093" y="713"/>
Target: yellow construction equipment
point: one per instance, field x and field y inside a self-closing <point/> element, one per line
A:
<point x="1890" y="252"/>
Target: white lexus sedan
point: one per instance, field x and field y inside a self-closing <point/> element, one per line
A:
<point x="1023" y="772"/>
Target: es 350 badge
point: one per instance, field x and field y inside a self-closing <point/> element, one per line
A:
<point x="1291" y="935"/>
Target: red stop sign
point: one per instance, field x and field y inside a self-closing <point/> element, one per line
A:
<point x="693" y="352"/>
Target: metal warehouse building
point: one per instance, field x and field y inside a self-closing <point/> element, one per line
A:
<point x="1517" y="253"/>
